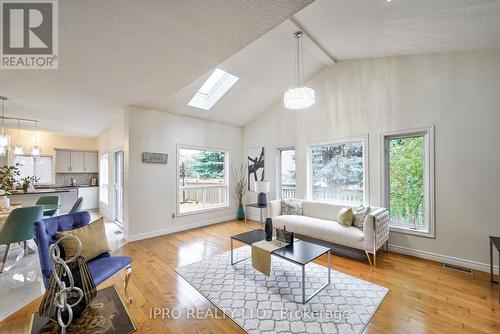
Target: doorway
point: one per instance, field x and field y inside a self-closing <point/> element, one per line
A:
<point x="119" y="187"/>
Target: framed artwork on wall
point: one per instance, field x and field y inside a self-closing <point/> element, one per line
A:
<point x="255" y="166"/>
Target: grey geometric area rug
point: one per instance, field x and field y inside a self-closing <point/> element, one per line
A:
<point x="261" y="304"/>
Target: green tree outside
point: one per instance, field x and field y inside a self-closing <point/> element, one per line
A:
<point x="207" y="165"/>
<point x="406" y="171"/>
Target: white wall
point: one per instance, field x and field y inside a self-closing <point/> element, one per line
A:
<point x="110" y="141"/>
<point x="457" y="93"/>
<point x="151" y="188"/>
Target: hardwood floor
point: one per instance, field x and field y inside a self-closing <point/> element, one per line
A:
<point x="423" y="297"/>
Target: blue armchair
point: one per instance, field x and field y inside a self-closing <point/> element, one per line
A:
<point x="101" y="268"/>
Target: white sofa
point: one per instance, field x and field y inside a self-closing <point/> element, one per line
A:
<point x="319" y="222"/>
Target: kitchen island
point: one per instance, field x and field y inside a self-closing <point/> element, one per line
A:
<point x="67" y="197"/>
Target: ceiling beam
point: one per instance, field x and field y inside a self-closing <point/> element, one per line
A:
<point x="308" y="34"/>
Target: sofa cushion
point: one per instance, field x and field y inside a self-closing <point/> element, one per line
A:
<point x="291" y="207"/>
<point x="344" y="217"/>
<point x="321" y="210"/>
<point x="104" y="266"/>
<point x="92" y="237"/>
<point x="321" y="229"/>
<point x="359" y="216"/>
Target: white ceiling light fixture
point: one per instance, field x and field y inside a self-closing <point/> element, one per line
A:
<point x="35" y="149"/>
<point x="217" y="84"/>
<point x="18" y="148"/>
<point x="299" y="97"/>
<point x="4" y="138"/>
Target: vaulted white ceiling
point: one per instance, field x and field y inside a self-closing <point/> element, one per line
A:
<point x="157" y="54"/>
<point x="115" y="53"/>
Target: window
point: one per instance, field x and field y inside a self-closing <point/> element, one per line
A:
<point x="202" y="179"/>
<point x="286" y="172"/>
<point x="408" y="181"/>
<point x="213" y="89"/>
<point x="103" y="178"/>
<point x="40" y="167"/>
<point x="338" y="172"/>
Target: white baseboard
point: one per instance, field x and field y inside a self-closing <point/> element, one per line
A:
<point x="485" y="267"/>
<point x="180" y="228"/>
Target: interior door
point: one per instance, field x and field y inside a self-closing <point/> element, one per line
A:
<point x="119" y="187"/>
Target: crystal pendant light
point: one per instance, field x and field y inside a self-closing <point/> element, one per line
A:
<point x="4" y="138"/>
<point x="35" y="149"/>
<point x="18" y="149"/>
<point x="300" y="97"/>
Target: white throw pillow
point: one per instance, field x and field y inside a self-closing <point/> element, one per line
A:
<point x="359" y="215"/>
<point x="291" y="207"/>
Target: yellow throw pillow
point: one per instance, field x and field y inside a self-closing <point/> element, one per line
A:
<point x="344" y="217"/>
<point x="92" y="237"/>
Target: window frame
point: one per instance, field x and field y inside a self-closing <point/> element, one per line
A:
<point x="52" y="167"/>
<point x="429" y="175"/>
<point x="102" y="184"/>
<point x="279" y="184"/>
<point x="227" y="177"/>
<point x="364" y="139"/>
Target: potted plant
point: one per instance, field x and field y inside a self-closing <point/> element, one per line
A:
<point x="8" y="175"/>
<point x="240" y="188"/>
<point x="29" y="182"/>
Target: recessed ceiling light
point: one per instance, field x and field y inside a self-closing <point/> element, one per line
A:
<point x="217" y="84"/>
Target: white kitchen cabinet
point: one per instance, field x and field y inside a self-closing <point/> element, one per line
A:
<point x="90" y="161"/>
<point x="90" y="197"/>
<point x="68" y="161"/>
<point x="77" y="162"/>
<point x="63" y="162"/>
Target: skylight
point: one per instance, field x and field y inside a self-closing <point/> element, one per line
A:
<point x="213" y="89"/>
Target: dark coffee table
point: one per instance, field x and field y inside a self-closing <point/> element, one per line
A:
<point x="300" y="252"/>
<point x="494" y="241"/>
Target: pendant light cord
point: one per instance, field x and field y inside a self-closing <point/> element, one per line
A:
<point x="3" y="102"/>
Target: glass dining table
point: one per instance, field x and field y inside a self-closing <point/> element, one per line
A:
<point x="4" y="213"/>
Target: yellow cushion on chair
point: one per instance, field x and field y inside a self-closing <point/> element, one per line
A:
<point x="93" y="239"/>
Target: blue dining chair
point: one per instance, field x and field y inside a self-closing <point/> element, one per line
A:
<point x="19" y="228"/>
<point x="101" y="267"/>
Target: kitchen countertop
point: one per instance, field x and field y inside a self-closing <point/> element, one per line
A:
<point x="47" y="189"/>
<point x="38" y="191"/>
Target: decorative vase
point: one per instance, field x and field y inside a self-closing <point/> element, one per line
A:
<point x="241" y="212"/>
<point x="269" y="229"/>
<point x="4" y="202"/>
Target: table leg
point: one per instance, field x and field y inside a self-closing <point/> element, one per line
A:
<point x="303" y="284"/>
<point x="491" y="262"/>
<point x="231" y="251"/>
<point x="329" y="267"/>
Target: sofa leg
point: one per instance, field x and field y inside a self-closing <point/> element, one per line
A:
<point x="2" y="265"/>
<point x="369" y="259"/>
<point x="128" y="272"/>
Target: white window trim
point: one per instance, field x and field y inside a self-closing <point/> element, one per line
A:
<point x="428" y="133"/>
<point x="366" y="165"/>
<point x="227" y="177"/>
<point x="101" y="184"/>
<point x="279" y="190"/>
